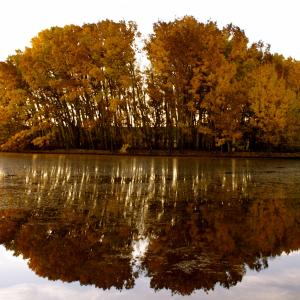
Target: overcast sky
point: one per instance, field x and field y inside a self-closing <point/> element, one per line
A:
<point x="276" y="22"/>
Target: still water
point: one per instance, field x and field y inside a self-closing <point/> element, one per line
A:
<point x="102" y="227"/>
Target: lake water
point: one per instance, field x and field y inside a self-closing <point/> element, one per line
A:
<point x="102" y="227"/>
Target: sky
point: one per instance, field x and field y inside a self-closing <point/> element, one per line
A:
<point x="274" y="21"/>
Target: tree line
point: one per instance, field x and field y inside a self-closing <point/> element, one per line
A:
<point x="203" y="88"/>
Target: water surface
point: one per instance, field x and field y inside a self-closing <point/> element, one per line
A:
<point x="101" y="227"/>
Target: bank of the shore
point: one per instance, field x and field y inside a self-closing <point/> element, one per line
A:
<point x="294" y="155"/>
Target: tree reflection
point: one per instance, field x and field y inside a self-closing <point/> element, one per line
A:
<point x="203" y="244"/>
<point x="80" y="223"/>
<point x="71" y="247"/>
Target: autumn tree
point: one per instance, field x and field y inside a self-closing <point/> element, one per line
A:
<point x="274" y="107"/>
<point x="183" y="54"/>
<point x="17" y="127"/>
<point x="205" y="88"/>
<point x="84" y="84"/>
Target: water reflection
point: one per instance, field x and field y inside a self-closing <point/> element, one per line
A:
<point x="187" y="224"/>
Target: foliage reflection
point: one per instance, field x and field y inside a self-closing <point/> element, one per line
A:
<point x="200" y="223"/>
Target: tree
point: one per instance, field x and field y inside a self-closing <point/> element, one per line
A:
<point x="84" y="83"/>
<point x="183" y="55"/>
<point x="205" y="89"/>
<point x="273" y="105"/>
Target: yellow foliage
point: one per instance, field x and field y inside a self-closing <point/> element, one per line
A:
<point x="114" y="104"/>
<point x="220" y="142"/>
<point x="271" y="103"/>
<point x="43" y="141"/>
<point x="125" y="148"/>
<point x="17" y="142"/>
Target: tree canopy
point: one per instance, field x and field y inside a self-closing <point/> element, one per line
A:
<point x="204" y="88"/>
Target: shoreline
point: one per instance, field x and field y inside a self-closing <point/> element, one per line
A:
<point x="160" y="153"/>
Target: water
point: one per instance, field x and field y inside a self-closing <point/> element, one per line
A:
<point x="102" y="227"/>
